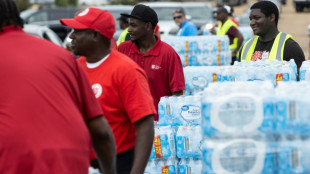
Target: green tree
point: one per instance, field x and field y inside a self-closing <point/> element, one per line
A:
<point x="64" y="3"/>
<point x="61" y="3"/>
<point x="73" y="2"/>
<point x="125" y="2"/>
<point x="22" y="4"/>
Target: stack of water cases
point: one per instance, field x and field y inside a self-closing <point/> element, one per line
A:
<point x="198" y="78"/>
<point x="177" y="141"/>
<point x="252" y="127"/>
<point x="201" y="50"/>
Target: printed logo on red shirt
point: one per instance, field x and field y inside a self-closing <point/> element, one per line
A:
<point x="97" y="88"/>
<point x="157" y="67"/>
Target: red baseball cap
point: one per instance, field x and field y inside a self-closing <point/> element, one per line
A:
<point x="95" y="19"/>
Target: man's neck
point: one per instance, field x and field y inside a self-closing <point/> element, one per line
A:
<point x="224" y="20"/>
<point x="270" y="35"/>
<point x="147" y="44"/>
<point x="97" y="56"/>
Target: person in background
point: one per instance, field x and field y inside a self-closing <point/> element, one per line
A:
<point x="123" y="24"/>
<point x="230" y="11"/>
<point x="270" y="43"/>
<point x="49" y="116"/>
<point x="159" y="60"/>
<point x="229" y="28"/>
<point x="120" y="86"/>
<point x="186" y="28"/>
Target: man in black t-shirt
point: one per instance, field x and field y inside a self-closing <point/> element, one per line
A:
<point x="270" y="43"/>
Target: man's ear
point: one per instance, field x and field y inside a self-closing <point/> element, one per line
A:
<point x="149" y="26"/>
<point x="96" y="36"/>
<point x="272" y="17"/>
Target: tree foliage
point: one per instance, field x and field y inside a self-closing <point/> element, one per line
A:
<point x="63" y="3"/>
<point x="22" y="4"/>
<point x="125" y="2"/>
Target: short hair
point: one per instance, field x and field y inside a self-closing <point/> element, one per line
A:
<point x="9" y="14"/>
<point x="179" y="10"/>
<point x="267" y="8"/>
<point x="123" y="18"/>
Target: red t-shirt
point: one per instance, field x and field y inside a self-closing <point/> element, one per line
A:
<point x="45" y="98"/>
<point x="121" y="88"/>
<point x="162" y="66"/>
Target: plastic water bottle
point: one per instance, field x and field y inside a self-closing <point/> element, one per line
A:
<point x="293" y="155"/>
<point x="164" y="142"/>
<point x="190" y="166"/>
<point x="304" y="69"/>
<point x="188" y="146"/>
<point x="163" y="110"/>
<point x="294" y="69"/>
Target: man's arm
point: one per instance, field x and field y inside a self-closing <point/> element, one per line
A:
<point x="143" y="145"/>
<point x="103" y="143"/>
<point x="177" y="93"/>
<point x="292" y="50"/>
<point x="212" y="30"/>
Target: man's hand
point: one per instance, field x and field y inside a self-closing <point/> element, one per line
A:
<point x="144" y="142"/>
<point x="104" y="144"/>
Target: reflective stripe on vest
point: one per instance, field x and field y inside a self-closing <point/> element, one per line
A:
<point x="276" y="51"/>
<point x="122" y="37"/>
<point x="223" y="29"/>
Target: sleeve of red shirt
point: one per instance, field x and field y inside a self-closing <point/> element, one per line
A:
<point x="136" y="95"/>
<point x="175" y="72"/>
<point x="89" y="104"/>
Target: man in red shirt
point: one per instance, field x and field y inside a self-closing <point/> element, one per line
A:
<point x="120" y="86"/>
<point x="159" y="60"/>
<point x="48" y="113"/>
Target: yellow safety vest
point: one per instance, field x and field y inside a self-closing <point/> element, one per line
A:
<point x="276" y="51"/>
<point x="122" y="37"/>
<point x="223" y="29"/>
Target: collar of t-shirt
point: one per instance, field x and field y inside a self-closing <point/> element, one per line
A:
<point x="10" y="28"/>
<point x="153" y="52"/>
<point x="96" y="64"/>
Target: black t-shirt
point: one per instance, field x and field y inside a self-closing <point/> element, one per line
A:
<point x="291" y="51"/>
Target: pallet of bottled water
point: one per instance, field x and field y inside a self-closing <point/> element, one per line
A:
<point x="201" y="50"/>
<point x="199" y="77"/>
<point x="252" y="127"/>
<point x="175" y="149"/>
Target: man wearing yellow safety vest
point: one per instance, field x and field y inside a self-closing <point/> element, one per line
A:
<point x="123" y="24"/>
<point x="270" y="43"/>
<point x="229" y="28"/>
